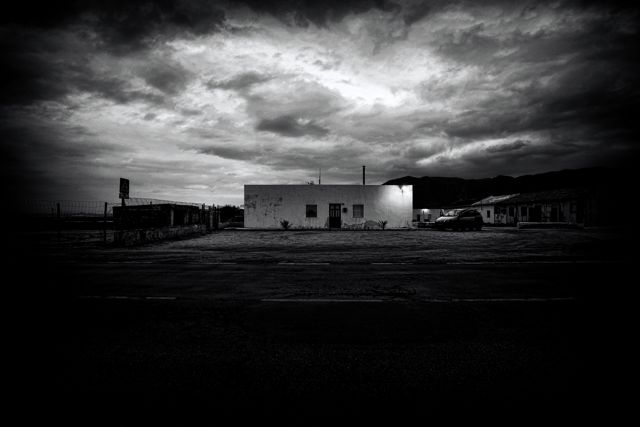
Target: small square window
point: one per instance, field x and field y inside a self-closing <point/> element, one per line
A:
<point x="312" y="211"/>
<point x="358" y="211"/>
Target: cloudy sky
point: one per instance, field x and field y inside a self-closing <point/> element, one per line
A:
<point x="191" y="100"/>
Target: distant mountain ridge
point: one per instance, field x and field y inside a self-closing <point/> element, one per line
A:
<point x="434" y="192"/>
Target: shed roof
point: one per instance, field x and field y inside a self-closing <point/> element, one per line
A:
<point x="492" y="200"/>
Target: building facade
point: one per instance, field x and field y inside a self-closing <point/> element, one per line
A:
<point x="570" y="206"/>
<point x="328" y="206"/>
<point x="573" y="206"/>
<point x="494" y="209"/>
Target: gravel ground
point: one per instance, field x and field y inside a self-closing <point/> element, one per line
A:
<point x="413" y="246"/>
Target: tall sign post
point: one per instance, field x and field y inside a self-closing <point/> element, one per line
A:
<point x="124" y="189"/>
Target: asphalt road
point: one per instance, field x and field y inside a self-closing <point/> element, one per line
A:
<point x="284" y="335"/>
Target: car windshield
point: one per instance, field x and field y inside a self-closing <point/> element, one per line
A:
<point x="453" y="212"/>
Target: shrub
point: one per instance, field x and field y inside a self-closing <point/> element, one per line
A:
<point x="285" y="224"/>
<point x="228" y="212"/>
<point x="382" y="224"/>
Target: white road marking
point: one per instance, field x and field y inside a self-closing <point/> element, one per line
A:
<point x="302" y="263"/>
<point x="431" y="300"/>
<point x="450" y="300"/>
<point x="342" y="300"/>
<point x="129" y="262"/>
<point x="127" y="297"/>
<point x="318" y="300"/>
<point x="525" y="262"/>
<point x="391" y="263"/>
<point x="216" y="263"/>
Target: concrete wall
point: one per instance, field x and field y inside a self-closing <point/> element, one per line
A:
<point x="266" y="205"/>
<point x="149" y="235"/>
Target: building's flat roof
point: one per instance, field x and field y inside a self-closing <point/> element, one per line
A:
<point x="539" y="196"/>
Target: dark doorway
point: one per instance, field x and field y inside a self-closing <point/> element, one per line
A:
<point x="580" y="212"/>
<point x="335" y="219"/>
<point x="535" y="214"/>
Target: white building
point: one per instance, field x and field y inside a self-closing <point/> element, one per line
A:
<point x="328" y="206"/>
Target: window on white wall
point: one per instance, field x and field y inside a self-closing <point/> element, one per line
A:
<point x="488" y="214"/>
<point x="312" y="211"/>
<point x="358" y="211"/>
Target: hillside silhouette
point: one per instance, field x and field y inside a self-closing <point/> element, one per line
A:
<point x="431" y="192"/>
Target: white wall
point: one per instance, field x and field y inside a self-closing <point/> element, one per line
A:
<point x="491" y="219"/>
<point x="266" y="205"/>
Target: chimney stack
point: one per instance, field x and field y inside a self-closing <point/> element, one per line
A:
<point x="363" y="167"/>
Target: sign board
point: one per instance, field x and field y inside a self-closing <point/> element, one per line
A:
<point x="124" y="188"/>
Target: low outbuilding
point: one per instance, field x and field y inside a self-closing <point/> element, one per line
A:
<point x="494" y="210"/>
<point x="563" y="206"/>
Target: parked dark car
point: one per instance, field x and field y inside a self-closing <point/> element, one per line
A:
<point x="460" y="219"/>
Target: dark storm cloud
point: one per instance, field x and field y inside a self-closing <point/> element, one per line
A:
<point x="190" y="113"/>
<point x="131" y="22"/>
<point x="317" y="12"/>
<point x="414" y="13"/>
<point x="533" y="158"/>
<point x="73" y="149"/>
<point x="28" y="74"/>
<point x="57" y="142"/>
<point x="168" y="77"/>
<point x="593" y="97"/>
<point x="240" y="82"/>
<point x="122" y="22"/>
<point x="114" y="89"/>
<point x="459" y="88"/>
<point x="291" y="126"/>
<point x="512" y="146"/>
<point x="37" y="69"/>
<point x="282" y="158"/>
<point x="468" y="44"/>
<point x="229" y="152"/>
<point x="338" y="161"/>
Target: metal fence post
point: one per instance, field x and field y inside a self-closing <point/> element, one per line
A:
<point x="58" y="218"/>
<point x="104" y="234"/>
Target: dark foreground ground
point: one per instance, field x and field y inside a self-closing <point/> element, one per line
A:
<point x="317" y="324"/>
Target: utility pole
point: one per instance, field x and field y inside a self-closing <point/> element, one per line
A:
<point x="363" y="168"/>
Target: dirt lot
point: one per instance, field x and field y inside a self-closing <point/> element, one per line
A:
<point x="411" y="246"/>
<point x="329" y="323"/>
